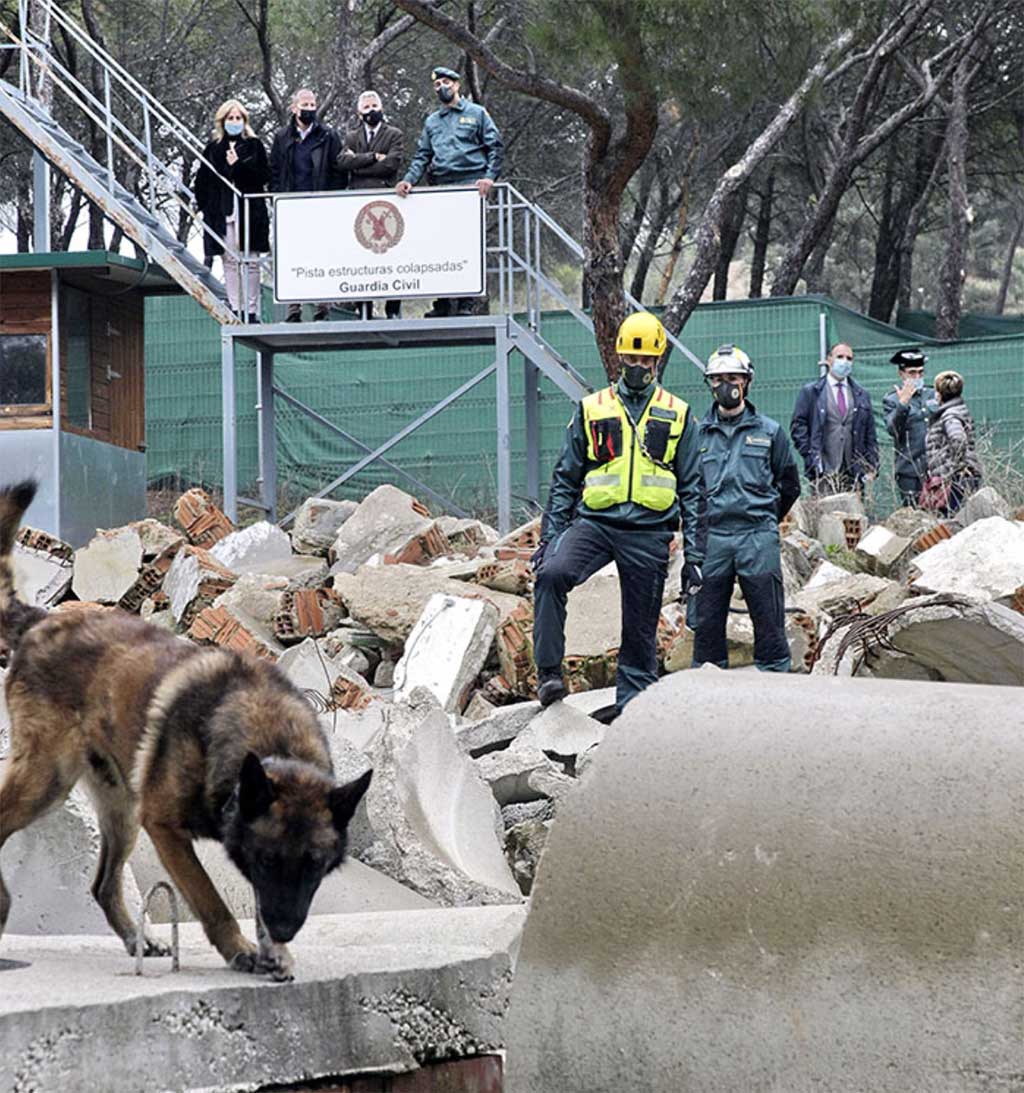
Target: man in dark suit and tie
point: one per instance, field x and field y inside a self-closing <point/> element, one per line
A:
<point x="373" y="157"/>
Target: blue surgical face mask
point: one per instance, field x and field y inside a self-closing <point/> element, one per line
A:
<point x="234" y="128"/>
<point x="841" y="368"/>
<point x="932" y="404"/>
<point x="918" y="382"/>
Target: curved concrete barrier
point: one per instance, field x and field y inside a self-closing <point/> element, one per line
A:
<point x="784" y="884"/>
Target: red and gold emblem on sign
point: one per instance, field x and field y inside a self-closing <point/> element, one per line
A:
<point x="379" y="226"/>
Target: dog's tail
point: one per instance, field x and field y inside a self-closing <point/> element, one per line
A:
<point x="15" y="617"/>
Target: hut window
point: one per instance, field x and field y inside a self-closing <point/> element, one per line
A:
<point x="23" y="371"/>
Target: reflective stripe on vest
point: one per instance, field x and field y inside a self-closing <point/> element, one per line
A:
<point x="632" y="475"/>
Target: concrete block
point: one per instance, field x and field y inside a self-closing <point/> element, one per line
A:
<point x="43" y="568"/>
<point x="981" y="505"/>
<point x="49" y="868"/>
<point x="317" y="524"/>
<point x="466" y="536"/>
<point x="522" y="772"/>
<point x="589" y="701"/>
<point x="514" y="575"/>
<point x="515" y="651"/>
<point x="300" y="571"/>
<point x="255" y="600"/>
<point x="446" y="650"/>
<point x="496" y="731"/>
<point x="910" y="523"/>
<point x="108" y="566"/>
<point x="193" y="581"/>
<point x="839" y="502"/>
<point x="824" y="572"/>
<point x="564" y="731"/>
<point x="984" y="561"/>
<point x="378" y="993"/>
<point x="831" y="531"/>
<point x="881" y="551"/>
<point x="818" y="909"/>
<point x="420" y="548"/>
<point x="307" y="613"/>
<point x="478" y="708"/>
<point x="526" y="537"/>
<point x="315" y="673"/>
<point x="218" y="626"/>
<point x="384" y="523"/>
<point x="436" y="826"/>
<point x="390" y="599"/>
<point x="247" y="550"/>
<point x="850" y="592"/>
<point x="203" y="523"/>
<point x="802" y="553"/>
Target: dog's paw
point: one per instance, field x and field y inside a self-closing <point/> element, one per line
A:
<point x="246" y="960"/>
<point x="150" y="947"/>
<point x="278" y="964"/>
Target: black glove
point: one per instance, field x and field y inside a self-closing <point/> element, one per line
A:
<point x="537" y="557"/>
<point x="691" y="582"/>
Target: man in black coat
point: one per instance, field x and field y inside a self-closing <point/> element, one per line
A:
<point x="372" y="157"/>
<point x="304" y="158"/>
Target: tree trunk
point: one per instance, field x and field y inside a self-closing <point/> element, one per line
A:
<point x="762" y="235"/>
<point x="952" y="272"/>
<point x="635" y="221"/>
<point x="23" y="200"/>
<point x="603" y="267"/>
<point x="734" y="215"/>
<point x="1011" y="253"/>
<point x="96" y="241"/>
<point x="655" y="230"/>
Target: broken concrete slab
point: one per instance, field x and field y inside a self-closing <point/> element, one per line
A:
<point x="390" y="599"/>
<point x="802" y="552"/>
<point x="255" y="601"/>
<point x="218" y="626"/>
<point x="910" y="523"/>
<point x="522" y="772"/>
<point x="524" y="844"/>
<point x="838" y="502"/>
<point x="496" y="731"/>
<point x="882" y="552"/>
<point x="589" y="701"/>
<point x="389" y="990"/>
<point x="108" y="566"/>
<point x="478" y="708"/>
<point x="961" y="642"/>
<point x="525" y="538"/>
<point x="851" y="591"/>
<point x="203" y="523"/>
<point x="155" y="536"/>
<point x="980" y="505"/>
<point x="43" y="572"/>
<point x="984" y="561"/>
<point x="49" y="868"/>
<point x="513" y="575"/>
<point x="150" y="580"/>
<point x="831" y="530"/>
<point x="824" y="572"/>
<point x="564" y="731"/>
<point x="252" y="548"/>
<point x="446" y="649"/>
<point x="317" y="524"/>
<point x="466" y="536"/>
<point x="300" y="571"/>
<point x="194" y="580"/>
<point x="316" y="675"/>
<point x="385" y="522"/>
<point x="436" y="826"/>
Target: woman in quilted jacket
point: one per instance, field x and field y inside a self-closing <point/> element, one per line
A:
<point x="954" y="470"/>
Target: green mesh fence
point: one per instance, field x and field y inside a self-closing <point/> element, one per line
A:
<point x="373" y="393"/>
<point x="971" y="326"/>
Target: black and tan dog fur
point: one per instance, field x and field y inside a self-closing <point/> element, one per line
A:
<point x="191" y="743"/>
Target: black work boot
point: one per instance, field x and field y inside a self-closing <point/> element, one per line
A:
<point x="550" y="685"/>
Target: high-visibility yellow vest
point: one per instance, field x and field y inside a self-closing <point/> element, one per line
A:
<point x="632" y="468"/>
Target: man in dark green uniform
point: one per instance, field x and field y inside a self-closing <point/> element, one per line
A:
<point x="905" y="419"/>
<point x="459" y="144"/>
<point x="749" y="482"/>
<point x="627" y="474"/>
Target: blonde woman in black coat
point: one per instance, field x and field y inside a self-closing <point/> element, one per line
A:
<point x="237" y="155"/>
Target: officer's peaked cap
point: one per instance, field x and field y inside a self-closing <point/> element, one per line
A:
<point x="908" y="358"/>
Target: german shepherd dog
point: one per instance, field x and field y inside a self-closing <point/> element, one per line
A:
<point x="192" y="743"/>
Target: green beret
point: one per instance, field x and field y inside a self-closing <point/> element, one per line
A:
<point x="442" y="72"/>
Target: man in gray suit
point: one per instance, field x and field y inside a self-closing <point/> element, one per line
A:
<point x="833" y="428"/>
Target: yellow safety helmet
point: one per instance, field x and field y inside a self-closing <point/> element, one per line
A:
<point x="641" y="335"/>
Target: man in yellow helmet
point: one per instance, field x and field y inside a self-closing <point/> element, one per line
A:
<point x="627" y="474"/>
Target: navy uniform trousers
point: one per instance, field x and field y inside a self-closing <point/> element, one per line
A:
<point x="641" y="557"/>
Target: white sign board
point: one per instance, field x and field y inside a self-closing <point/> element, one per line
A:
<point x="360" y="244"/>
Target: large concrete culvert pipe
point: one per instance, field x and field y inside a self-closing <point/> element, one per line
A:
<point x="784" y="884"/>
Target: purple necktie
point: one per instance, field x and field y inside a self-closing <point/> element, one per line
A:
<point x="841" y="398"/>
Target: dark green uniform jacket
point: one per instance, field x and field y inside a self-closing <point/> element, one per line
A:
<point x="458" y="143"/>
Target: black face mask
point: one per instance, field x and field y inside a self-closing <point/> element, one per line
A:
<point x="446" y="94"/>
<point x="307" y="117"/>
<point x="637" y="376"/>
<point x="728" y="395"/>
<point x="373" y="118"/>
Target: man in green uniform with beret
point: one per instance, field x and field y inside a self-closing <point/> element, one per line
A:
<point x="459" y="144"/>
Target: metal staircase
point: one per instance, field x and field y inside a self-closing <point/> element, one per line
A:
<point x="524" y="242"/>
<point x="126" y="117"/>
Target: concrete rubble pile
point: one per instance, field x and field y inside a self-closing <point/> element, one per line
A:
<point x="412" y="637"/>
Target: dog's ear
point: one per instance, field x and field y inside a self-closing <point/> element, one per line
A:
<point x="344" y="800"/>
<point x="255" y="790"/>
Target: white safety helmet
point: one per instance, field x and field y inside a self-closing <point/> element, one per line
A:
<point x="729" y="360"/>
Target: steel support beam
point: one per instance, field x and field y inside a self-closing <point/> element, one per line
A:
<point x="531" y="376"/>
<point x="503" y="347"/>
<point x="229" y="426"/>
<point x="266" y="424"/>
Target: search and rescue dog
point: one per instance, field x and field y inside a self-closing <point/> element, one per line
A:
<point x="192" y="743"/>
